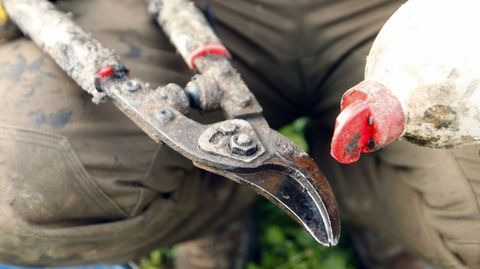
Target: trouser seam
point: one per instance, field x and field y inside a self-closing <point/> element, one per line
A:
<point x="438" y="233"/>
<point x="141" y="192"/>
<point x="471" y="188"/>
<point x="87" y="182"/>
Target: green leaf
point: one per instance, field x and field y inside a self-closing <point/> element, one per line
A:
<point x="295" y="132"/>
<point x="275" y="235"/>
<point x="156" y="257"/>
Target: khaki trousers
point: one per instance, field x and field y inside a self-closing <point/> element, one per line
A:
<point x="81" y="183"/>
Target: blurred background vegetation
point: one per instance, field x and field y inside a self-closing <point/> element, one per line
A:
<point x="281" y="242"/>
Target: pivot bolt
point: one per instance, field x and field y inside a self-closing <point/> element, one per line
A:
<point x="243" y="145"/>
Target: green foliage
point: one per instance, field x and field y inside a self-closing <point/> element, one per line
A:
<point x="156" y="259"/>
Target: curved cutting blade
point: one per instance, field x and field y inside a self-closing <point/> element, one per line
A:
<point x="293" y="182"/>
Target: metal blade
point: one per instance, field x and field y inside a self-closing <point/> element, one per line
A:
<point x="293" y="182"/>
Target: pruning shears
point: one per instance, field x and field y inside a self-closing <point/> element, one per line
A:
<point x="242" y="148"/>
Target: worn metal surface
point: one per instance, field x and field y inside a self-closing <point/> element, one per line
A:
<point x="249" y="152"/>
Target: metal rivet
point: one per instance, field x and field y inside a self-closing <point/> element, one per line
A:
<point x="133" y="86"/>
<point x="229" y="129"/>
<point x="167" y="115"/>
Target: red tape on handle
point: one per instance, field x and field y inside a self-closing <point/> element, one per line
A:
<point x="208" y="49"/>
